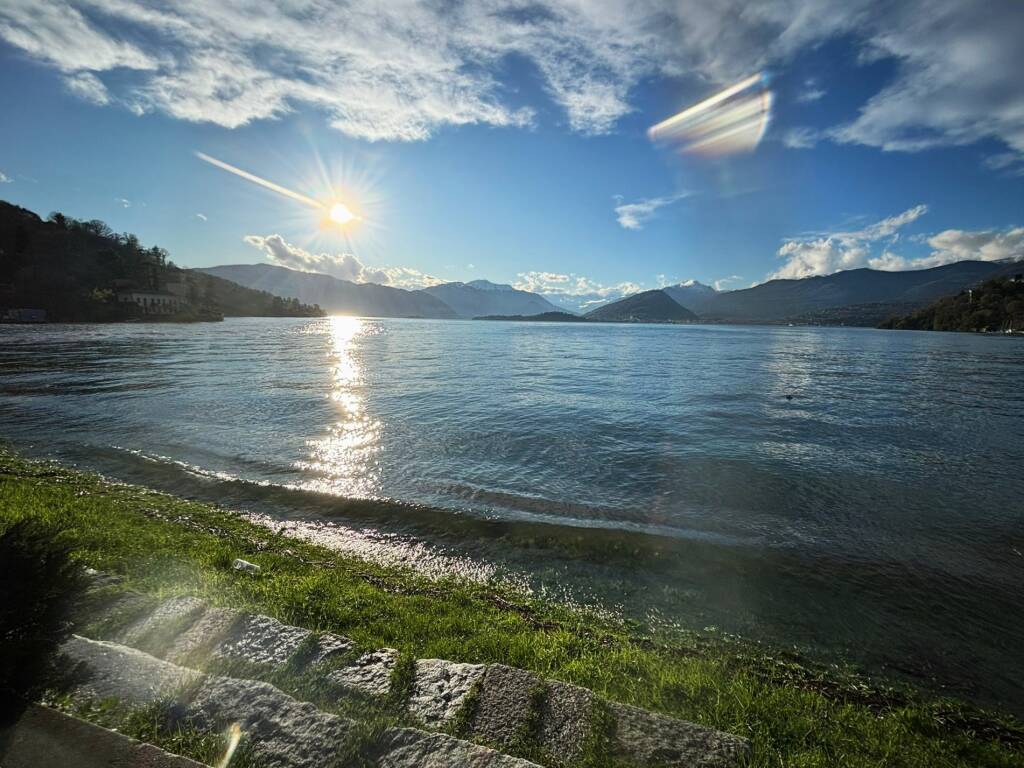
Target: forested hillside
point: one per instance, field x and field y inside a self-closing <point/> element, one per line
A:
<point x="81" y="271"/>
<point x="996" y="305"/>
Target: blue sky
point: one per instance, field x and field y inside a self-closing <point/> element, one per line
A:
<point x="508" y="140"/>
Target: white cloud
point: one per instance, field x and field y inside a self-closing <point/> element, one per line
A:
<point x="825" y="253"/>
<point x="957" y="81"/>
<point x="811" y="92"/>
<point x="201" y="216"/>
<point x="1011" y="163"/>
<point x="801" y="138"/>
<point x="721" y="283"/>
<point x="576" y="292"/>
<point x="404" y="69"/>
<point x="124" y="203"/>
<point x="5" y="179"/>
<point x="981" y="245"/>
<point x="635" y="215"/>
<point x="59" y="34"/>
<point x="345" y="266"/>
<point x="88" y="87"/>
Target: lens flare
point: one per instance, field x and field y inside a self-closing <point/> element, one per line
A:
<point x="336" y="212"/>
<point x="234" y="735"/>
<point x="731" y="121"/>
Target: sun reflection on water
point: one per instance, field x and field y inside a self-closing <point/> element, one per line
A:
<point x="343" y="462"/>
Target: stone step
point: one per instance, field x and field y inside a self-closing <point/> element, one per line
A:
<point x="281" y="731"/>
<point x="43" y="737"/>
<point x="493" y="704"/>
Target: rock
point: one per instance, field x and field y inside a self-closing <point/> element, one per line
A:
<point x="262" y="640"/>
<point x="440" y="690"/>
<point x="245" y="565"/>
<point x="370" y="674"/>
<point x="282" y="732"/>
<point x="208" y="630"/>
<point x="649" y="738"/>
<point x="412" y="748"/>
<point x="506" y="705"/>
<point x="44" y="737"/>
<point x="169" y="618"/>
<point x="566" y="721"/>
<point x="115" y="671"/>
<point x="330" y="646"/>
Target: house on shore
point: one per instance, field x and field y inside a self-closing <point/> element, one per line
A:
<point x="153" y="302"/>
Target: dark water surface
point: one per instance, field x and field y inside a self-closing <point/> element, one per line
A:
<point x="657" y="471"/>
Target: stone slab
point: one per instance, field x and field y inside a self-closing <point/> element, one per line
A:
<point x="44" y="737"/>
<point x="115" y="671"/>
<point x="370" y="674"/>
<point x="652" y="739"/>
<point x="440" y="689"/>
<point x="208" y="630"/>
<point x="171" y="616"/>
<point x="282" y="732"/>
<point x="567" y="721"/>
<point x="412" y="748"/>
<point x="262" y="640"/>
<point x="504" y="705"/>
<point x="329" y="646"/>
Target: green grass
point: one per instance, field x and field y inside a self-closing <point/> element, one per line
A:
<point x="794" y="714"/>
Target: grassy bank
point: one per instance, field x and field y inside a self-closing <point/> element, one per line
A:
<point x="793" y="714"/>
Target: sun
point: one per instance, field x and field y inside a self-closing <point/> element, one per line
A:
<point x="340" y="214"/>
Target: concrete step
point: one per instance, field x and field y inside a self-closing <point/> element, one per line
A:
<point x="45" y="738"/>
<point x="510" y="709"/>
<point x="281" y="731"/>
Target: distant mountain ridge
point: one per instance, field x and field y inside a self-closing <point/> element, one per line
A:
<point x="444" y="301"/>
<point x="821" y="296"/>
<point x="334" y="295"/>
<point x="862" y="297"/>
<point x="646" y="307"/>
<point x="482" y="297"/>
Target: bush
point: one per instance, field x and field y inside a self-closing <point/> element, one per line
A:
<point x="40" y="587"/>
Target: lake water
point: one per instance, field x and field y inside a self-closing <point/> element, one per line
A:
<point x="850" y="492"/>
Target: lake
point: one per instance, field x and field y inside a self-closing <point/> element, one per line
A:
<point x="848" y="492"/>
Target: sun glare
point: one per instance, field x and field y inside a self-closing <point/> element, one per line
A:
<point x="340" y="214"/>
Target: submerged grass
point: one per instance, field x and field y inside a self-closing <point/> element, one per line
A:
<point x="794" y="715"/>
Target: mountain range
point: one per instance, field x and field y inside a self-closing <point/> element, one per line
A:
<point x="855" y="297"/>
<point x="445" y="301"/>
<point x="655" y="306"/>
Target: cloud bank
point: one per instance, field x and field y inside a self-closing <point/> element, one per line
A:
<point x="573" y="291"/>
<point x="344" y="266"/>
<point x="826" y="253"/>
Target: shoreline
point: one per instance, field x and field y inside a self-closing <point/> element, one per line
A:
<point x="163" y="544"/>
